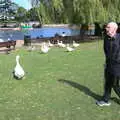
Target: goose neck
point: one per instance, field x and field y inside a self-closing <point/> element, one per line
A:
<point x="17" y="60"/>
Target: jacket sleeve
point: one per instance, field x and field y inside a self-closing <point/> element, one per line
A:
<point x="105" y="46"/>
<point x="116" y="53"/>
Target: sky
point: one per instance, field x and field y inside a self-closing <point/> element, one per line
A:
<point x="23" y="3"/>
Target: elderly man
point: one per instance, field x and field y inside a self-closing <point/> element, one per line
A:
<point x="112" y="66"/>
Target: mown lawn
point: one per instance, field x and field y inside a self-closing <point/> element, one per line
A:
<point x="57" y="86"/>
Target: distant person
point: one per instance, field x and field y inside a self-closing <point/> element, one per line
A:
<point x="112" y="63"/>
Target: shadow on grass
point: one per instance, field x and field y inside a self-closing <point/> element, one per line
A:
<point x="116" y="100"/>
<point x="86" y="90"/>
<point x="82" y="88"/>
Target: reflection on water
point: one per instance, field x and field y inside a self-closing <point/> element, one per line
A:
<point x="37" y="32"/>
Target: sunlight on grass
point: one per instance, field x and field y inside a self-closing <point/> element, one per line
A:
<point x="59" y="85"/>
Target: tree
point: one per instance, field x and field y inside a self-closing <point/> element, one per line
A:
<point x="32" y="14"/>
<point x="20" y="15"/>
<point x="8" y="10"/>
<point x="77" y="11"/>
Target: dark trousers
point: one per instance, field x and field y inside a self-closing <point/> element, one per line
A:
<point x="111" y="81"/>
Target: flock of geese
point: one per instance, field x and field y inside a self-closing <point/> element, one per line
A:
<point x="18" y="71"/>
<point x="45" y="46"/>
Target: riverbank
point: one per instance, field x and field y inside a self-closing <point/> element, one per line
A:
<point x="46" y="26"/>
<point x="18" y="28"/>
<point x="62" y="26"/>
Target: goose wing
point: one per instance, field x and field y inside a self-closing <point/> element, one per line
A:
<point x="18" y="71"/>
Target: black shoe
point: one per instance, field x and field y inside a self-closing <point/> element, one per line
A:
<point x="103" y="103"/>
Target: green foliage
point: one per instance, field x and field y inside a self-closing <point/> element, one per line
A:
<point x="78" y="11"/>
<point x="7" y="10"/>
<point x="21" y="14"/>
<point x="32" y="15"/>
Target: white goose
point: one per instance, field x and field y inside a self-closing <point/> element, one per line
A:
<point x="44" y="48"/>
<point x="18" y="70"/>
<point x="69" y="49"/>
<point x="31" y="48"/>
<point x="75" y="44"/>
<point x="60" y="44"/>
<point x="50" y="44"/>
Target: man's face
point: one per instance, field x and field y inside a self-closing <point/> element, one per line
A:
<point x="110" y="30"/>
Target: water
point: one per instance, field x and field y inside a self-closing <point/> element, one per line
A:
<point x="11" y="35"/>
<point x="36" y="33"/>
<point x="50" y="32"/>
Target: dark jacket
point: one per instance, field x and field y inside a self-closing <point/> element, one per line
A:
<point x="112" y="54"/>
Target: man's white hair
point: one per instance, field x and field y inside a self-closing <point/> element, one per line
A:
<point x="114" y="24"/>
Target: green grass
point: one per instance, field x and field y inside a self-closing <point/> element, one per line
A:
<point x="58" y="86"/>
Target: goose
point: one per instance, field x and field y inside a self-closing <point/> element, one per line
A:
<point x="60" y="44"/>
<point x="69" y="49"/>
<point x="75" y="44"/>
<point x="50" y="44"/>
<point x="31" y="48"/>
<point x="44" y="48"/>
<point x="18" y="70"/>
